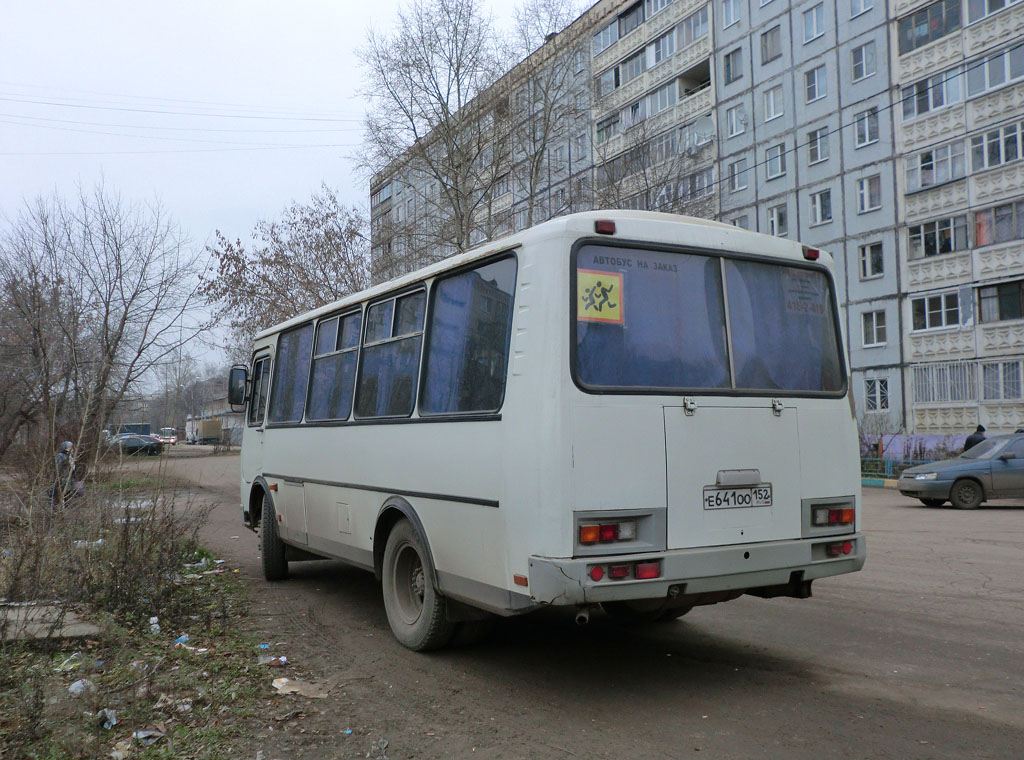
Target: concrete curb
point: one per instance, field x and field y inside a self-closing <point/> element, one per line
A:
<point x="879" y="483"/>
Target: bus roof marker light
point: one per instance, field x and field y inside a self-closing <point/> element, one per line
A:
<point x="604" y="227"/>
<point x="811" y="254"/>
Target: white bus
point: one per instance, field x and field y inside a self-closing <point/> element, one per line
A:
<point x="641" y="411"/>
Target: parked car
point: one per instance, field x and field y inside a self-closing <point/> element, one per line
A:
<point x="138" y="444"/>
<point x="994" y="469"/>
<point x="167" y="436"/>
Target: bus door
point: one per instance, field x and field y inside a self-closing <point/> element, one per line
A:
<point x="733" y="472"/>
<point x="252" y="444"/>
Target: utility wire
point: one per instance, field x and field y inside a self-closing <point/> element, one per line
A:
<point x="180" y="129"/>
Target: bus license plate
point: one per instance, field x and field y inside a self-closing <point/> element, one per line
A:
<point x="735" y="498"/>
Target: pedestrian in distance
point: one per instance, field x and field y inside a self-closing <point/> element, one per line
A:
<point x="65" y="486"/>
<point x="975" y="438"/>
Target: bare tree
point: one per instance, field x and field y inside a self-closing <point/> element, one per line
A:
<point x="427" y="125"/>
<point x="101" y="290"/>
<point x="549" y="101"/>
<point x="667" y="170"/>
<point x="314" y="254"/>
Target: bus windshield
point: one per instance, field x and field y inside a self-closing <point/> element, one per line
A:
<point x="656" y="321"/>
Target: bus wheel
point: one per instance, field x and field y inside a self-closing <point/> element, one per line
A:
<point x="415" y="610"/>
<point x="275" y="566"/>
<point x="966" y="494"/>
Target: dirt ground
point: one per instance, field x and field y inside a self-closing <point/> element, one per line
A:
<point x="917" y="656"/>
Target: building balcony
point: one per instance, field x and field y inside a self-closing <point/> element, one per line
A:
<point x="941" y="345"/>
<point x="1003" y="260"/>
<point x="1003" y="26"/>
<point x="995" y="106"/>
<point x="936" y="271"/>
<point x="1002" y="338"/>
<point x="926" y="130"/>
<point x="936" y="201"/>
<point x="932" y="58"/>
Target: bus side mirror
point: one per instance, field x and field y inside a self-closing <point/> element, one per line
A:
<point x="237" y="381"/>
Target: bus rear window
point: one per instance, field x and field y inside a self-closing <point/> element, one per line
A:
<point x="655" y="321"/>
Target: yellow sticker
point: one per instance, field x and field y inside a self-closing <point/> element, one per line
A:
<point x="599" y="296"/>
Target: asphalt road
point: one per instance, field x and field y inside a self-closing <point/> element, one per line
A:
<point x="920" y="655"/>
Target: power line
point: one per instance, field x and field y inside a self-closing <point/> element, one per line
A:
<point x="183" y="150"/>
<point x="182" y="129"/>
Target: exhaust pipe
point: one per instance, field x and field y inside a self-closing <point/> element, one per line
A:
<point x="582" y="616"/>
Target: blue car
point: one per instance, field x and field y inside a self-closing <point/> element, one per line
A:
<point x="994" y="469"/>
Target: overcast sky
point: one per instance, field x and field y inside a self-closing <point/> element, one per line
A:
<point x="114" y="91"/>
<point x="196" y="104"/>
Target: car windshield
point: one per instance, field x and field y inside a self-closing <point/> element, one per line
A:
<point x="986" y="449"/>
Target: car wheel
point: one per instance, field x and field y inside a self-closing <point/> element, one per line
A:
<point x="966" y="494"/>
<point x="933" y="502"/>
<point x="416" y="612"/>
<point x="275" y="566"/>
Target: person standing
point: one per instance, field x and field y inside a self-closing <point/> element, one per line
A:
<point x="65" y="464"/>
<point x="975" y="438"/>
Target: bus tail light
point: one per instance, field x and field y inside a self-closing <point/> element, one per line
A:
<point x="811" y="254"/>
<point x="610" y="532"/>
<point x="617" y="572"/>
<point x="604" y="227"/>
<point x="833" y="516"/>
<point x="590" y="534"/>
<point x="607" y="532"/>
<point x="839" y="548"/>
<point x="646" y="570"/>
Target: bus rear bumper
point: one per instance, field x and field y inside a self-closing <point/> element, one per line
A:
<point x="739" y="567"/>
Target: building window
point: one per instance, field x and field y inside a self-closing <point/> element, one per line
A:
<point x="778" y="221"/>
<point x="999" y="224"/>
<point x="693" y="27"/>
<point x="928" y="24"/>
<point x="738" y="175"/>
<point x="1001" y="381"/>
<point x="979" y="9"/>
<point x="740" y="221"/>
<point x="607" y="129"/>
<point x="817" y="145"/>
<point x="773" y="103"/>
<point x="631" y="19"/>
<point x="1002" y="302"/>
<point x="932" y="93"/>
<point x="733" y="63"/>
<point x="863" y="61"/>
<point x="858" y="7"/>
<point x="730" y="12"/>
<point x="775" y="161"/>
<point x="821" y="207"/>
<point x="999" y="69"/>
<point x="941" y="383"/>
<point x="874" y="328"/>
<point x="632" y="67"/>
<point x="938" y="237"/>
<point x="871" y="262"/>
<point x="606" y="37"/>
<point x="933" y="167"/>
<point x="814" y="22"/>
<point x="866" y="127"/>
<point x="606" y="81"/>
<point x="869" y="194"/>
<point x="932" y="312"/>
<point x="814" y="82"/>
<point x="876" y="394"/>
<point x="999" y="146"/>
<point x="664" y="47"/>
<point x="771" y="44"/>
<point x="736" y="120"/>
<point x="656" y="6"/>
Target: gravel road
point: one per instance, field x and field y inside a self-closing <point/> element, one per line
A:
<point x="920" y="655"/>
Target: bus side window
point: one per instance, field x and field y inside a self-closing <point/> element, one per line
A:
<point x="391" y="357"/>
<point x="334" y="368"/>
<point x="468" y="340"/>
<point x="260" y="386"/>
<point x="291" y="373"/>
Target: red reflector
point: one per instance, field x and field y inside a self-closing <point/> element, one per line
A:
<point x="847" y="547"/>
<point x="811" y="254"/>
<point x="520" y="580"/>
<point x="596" y="573"/>
<point x="618" y="571"/>
<point x="646" y="570"/>
<point x="604" y="227"/>
<point x="610" y="532"/>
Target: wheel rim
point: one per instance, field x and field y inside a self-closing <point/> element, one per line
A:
<point x="409" y="583"/>
<point x="966" y="493"/>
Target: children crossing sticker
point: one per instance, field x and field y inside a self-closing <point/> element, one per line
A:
<point x="599" y="296"/>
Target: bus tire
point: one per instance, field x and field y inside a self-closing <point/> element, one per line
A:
<point x="966" y="494"/>
<point x="275" y="566"/>
<point x="416" y="612"/>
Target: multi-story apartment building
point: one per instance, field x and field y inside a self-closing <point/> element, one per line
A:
<point x="889" y="132"/>
<point x="960" y="201"/>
